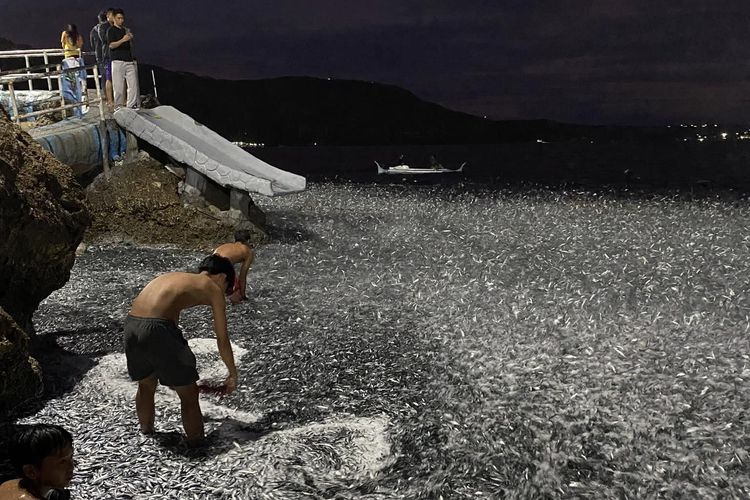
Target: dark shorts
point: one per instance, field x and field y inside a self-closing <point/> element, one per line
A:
<point x="155" y="346"/>
<point x="105" y="70"/>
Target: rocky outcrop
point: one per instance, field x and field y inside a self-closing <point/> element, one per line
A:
<point x="20" y="376"/>
<point x="43" y="216"/>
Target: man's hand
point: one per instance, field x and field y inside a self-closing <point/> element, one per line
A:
<point x="231" y="384"/>
<point x="235" y="298"/>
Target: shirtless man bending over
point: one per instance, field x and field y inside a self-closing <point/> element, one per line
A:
<point x="157" y="352"/>
<point x="239" y="252"/>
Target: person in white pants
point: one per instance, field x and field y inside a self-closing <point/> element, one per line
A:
<point x="125" y="73"/>
<point x="124" y="69"/>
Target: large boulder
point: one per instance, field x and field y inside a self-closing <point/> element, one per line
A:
<point x="43" y="216"/>
<point x="20" y="377"/>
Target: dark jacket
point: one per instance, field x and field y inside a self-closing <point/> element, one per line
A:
<point x="98" y="39"/>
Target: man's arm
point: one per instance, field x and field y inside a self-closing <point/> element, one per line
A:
<point x="243" y="272"/>
<point x="103" y="33"/>
<point x="92" y="40"/>
<point x="117" y="43"/>
<point x="218" y="306"/>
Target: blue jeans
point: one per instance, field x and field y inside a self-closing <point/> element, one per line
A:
<point x="72" y="83"/>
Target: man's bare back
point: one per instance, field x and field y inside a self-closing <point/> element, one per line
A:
<point x="156" y="350"/>
<point x="167" y="295"/>
<point x="236" y="252"/>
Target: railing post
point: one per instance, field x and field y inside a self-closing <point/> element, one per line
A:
<point x="104" y="134"/>
<point x="46" y="70"/>
<point x="153" y="79"/>
<point x="31" y="85"/>
<point x="98" y="92"/>
<point x="83" y="83"/>
<point x="103" y="131"/>
<point x="13" y="102"/>
<point x="60" y="86"/>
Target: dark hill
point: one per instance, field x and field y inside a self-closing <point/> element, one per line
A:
<point x="6" y="44"/>
<point x="305" y="110"/>
<point x="11" y="63"/>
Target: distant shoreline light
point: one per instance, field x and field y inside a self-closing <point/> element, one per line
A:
<point x="244" y="144"/>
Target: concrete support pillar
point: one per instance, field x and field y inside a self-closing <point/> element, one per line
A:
<point x="197" y="184"/>
<point x="237" y="207"/>
<point x="241" y="201"/>
<point x="131" y="148"/>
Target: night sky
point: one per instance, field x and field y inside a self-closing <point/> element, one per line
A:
<point x="597" y="61"/>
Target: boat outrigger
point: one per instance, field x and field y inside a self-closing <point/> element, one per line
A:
<point x="406" y="169"/>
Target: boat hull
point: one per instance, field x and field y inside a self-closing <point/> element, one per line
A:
<point x="400" y="170"/>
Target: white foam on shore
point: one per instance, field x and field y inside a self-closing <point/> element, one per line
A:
<point x="345" y="448"/>
<point x="111" y="377"/>
<point x="359" y="446"/>
<point x="367" y="451"/>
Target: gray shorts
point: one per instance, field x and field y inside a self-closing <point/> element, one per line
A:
<point x="155" y="346"/>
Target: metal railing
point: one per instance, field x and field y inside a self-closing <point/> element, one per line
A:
<point x="45" y="54"/>
<point x="48" y="72"/>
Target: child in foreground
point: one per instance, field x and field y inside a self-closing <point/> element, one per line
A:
<point x="42" y="456"/>
<point x="240" y="252"/>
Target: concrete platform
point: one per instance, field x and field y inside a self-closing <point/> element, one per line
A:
<point x="207" y="153"/>
<point x="77" y="142"/>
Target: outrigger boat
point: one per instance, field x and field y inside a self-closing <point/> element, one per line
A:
<point x="406" y="169"/>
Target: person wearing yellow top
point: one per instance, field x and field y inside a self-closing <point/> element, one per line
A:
<point x="71" y="41"/>
<point x="74" y="82"/>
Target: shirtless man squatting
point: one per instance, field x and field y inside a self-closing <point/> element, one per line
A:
<point x="239" y="252"/>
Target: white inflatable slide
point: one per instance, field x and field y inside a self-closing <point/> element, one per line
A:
<point x="199" y="147"/>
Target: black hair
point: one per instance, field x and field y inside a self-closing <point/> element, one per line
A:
<point x="118" y="11"/>
<point x="72" y="31"/>
<point x="102" y="16"/>
<point x="244" y="236"/>
<point x="32" y="443"/>
<point x="216" y="264"/>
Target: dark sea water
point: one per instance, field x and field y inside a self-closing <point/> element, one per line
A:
<point x="646" y="165"/>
